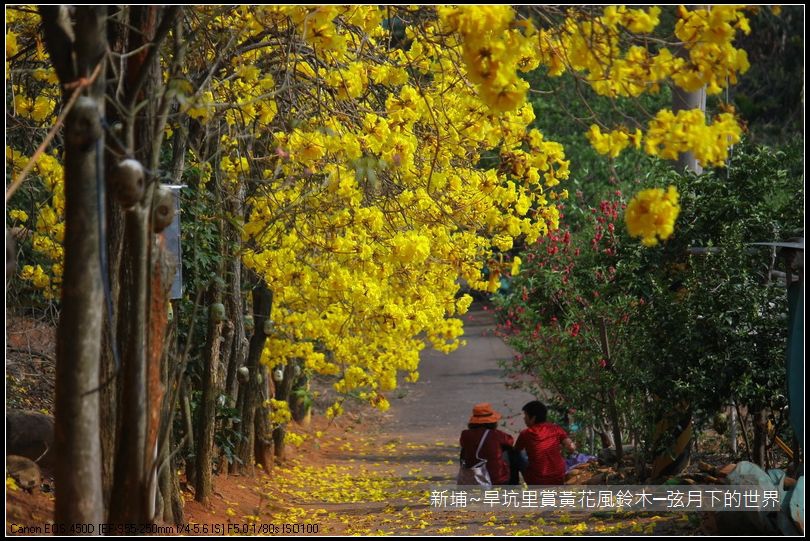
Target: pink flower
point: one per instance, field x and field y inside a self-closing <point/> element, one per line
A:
<point x="603" y="363"/>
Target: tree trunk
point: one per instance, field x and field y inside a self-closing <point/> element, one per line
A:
<point x="683" y="100"/>
<point x="605" y="439"/>
<point x="235" y="355"/>
<point x="165" y="509"/>
<point x="191" y="465"/>
<point x="300" y="407"/>
<point x="165" y="469"/>
<point x="128" y="503"/>
<point x="613" y="412"/>
<point x="233" y="303"/>
<point x="254" y="439"/>
<point x="134" y="484"/>
<point x="616" y="425"/>
<point x="283" y="389"/>
<point x="110" y="361"/>
<point x="157" y="369"/>
<point x="226" y="352"/>
<point x="760" y="421"/>
<point x="207" y="410"/>
<point x="263" y="434"/>
<point x="79" y="494"/>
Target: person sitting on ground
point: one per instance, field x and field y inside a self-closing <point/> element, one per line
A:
<point x="542" y="441"/>
<point x="496" y="449"/>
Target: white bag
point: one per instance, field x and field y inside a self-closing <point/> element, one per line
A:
<point x="478" y="474"/>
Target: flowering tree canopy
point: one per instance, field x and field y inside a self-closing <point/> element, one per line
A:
<point x="388" y="152"/>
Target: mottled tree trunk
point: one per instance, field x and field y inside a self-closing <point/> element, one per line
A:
<point x="157" y="370"/>
<point x="79" y="494"/>
<point x="128" y="504"/>
<point x="684" y="100"/>
<point x="235" y="206"/>
<point x="255" y="442"/>
<point x="206" y="418"/>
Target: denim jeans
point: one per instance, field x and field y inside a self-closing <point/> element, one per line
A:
<point x="517" y="464"/>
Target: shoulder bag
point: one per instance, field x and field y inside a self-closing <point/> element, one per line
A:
<point x="478" y="474"/>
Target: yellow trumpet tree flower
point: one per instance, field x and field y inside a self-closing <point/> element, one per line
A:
<point x="387" y="152"/>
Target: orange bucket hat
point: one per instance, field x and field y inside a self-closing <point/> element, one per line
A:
<point x="483" y="414"/>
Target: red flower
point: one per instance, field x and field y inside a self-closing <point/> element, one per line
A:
<point x="575" y="329"/>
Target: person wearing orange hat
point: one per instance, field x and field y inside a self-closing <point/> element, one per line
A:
<point x="496" y="449"/>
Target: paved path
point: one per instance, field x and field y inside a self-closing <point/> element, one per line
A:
<point x="438" y="406"/>
<point x="376" y="475"/>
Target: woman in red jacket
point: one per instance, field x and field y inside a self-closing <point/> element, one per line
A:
<point x="496" y="449"/>
<point x="542" y="441"/>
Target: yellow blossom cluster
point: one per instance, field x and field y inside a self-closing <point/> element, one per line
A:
<point x="670" y="134"/>
<point x="37" y="276"/>
<point x="494" y="47"/>
<point x="49" y="228"/>
<point x="37" y="109"/>
<point x="592" y="46"/>
<point x="613" y="142"/>
<point x="18" y="215"/>
<point x="294" y="439"/>
<point x="245" y="97"/>
<point x="279" y="411"/>
<point x="708" y="35"/>
<point x="35" y="95"/>
<point x="651" y="214"/>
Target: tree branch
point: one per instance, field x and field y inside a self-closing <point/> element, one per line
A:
<point x="160" y="34"/>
